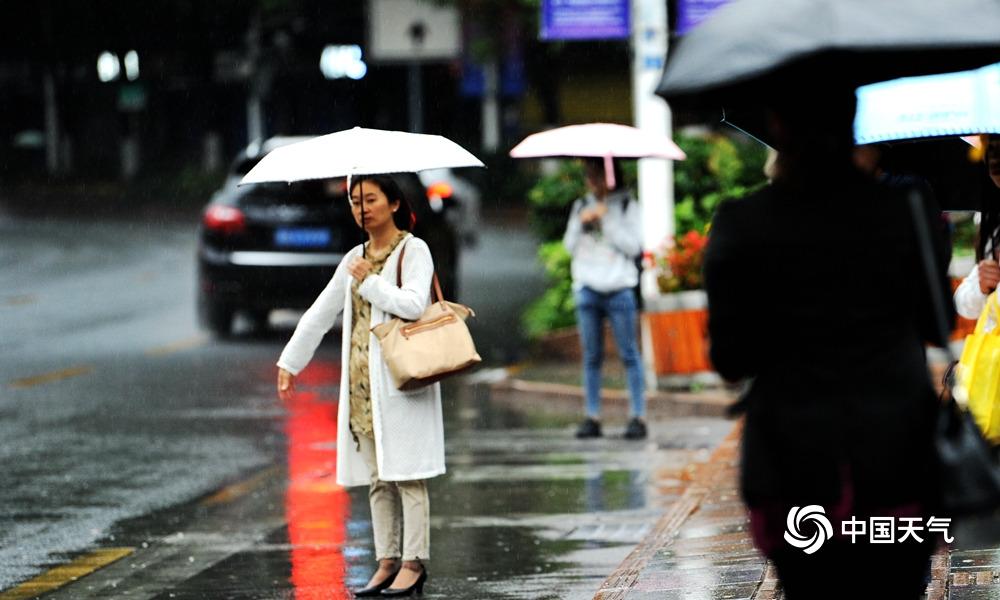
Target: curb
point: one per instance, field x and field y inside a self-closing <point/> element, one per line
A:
<point x="559" y="397"/>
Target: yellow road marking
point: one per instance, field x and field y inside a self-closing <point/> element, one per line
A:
<point x="34" y="380"/>
<point x="19" y="300"/>
<point x="236" y="490"/>
<point x="64" y="574"/>
<point x="192" y="342"/>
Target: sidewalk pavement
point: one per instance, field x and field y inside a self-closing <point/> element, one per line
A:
<point x="552" y="387"/>
<point x="701" y="546"/>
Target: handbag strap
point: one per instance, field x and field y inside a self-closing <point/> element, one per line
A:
<point x="399" y="266"/>
<point x="436" y="285"/>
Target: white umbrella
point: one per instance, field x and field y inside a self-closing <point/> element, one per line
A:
<point x="359" y="151"/>
<point x="599" y="140"/>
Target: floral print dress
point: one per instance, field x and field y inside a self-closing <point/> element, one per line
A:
<point x="360" y="382"/>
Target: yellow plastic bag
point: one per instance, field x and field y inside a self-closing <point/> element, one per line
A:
<point x="979" y="372"/>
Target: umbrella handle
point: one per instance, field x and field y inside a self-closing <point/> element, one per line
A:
<point x="609" y="171"/>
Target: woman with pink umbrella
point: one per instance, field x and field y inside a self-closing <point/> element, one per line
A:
<point x="604" y="238"/>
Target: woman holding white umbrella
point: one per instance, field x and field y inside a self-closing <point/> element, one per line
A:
<point x="387" y="438"/>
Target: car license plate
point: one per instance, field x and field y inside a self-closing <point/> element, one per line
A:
<point x="302" y="237"/>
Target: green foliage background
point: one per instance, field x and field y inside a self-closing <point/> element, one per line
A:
<point x="718" y="168"/>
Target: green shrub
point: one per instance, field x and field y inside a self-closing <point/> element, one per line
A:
<point x="717" y="169"/>
<point x="552" y="196"/>
<point x="555" y="309"/>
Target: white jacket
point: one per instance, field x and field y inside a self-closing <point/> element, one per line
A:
<point x="408" y="426"/>
<point x="604" y="258"/>
<point x="970" y="300"/>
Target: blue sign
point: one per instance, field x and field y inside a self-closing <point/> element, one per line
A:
<point x="692" y="12"/>
<point x="585" y="19"/>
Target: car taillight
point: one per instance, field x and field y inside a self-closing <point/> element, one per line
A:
<point x="440" y="190"/>
<point x="224" y="219"/>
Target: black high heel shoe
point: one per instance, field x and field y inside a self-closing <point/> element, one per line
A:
<point x="418" y="587"/>
<point x="375" y="590"/>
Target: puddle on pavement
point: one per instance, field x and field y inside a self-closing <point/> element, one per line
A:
<point x="506" y="519"/>
<point x="609" y="490"/>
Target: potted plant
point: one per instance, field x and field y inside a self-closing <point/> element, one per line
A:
<point x="675" y="322"/>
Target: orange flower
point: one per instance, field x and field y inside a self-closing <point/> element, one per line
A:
<point x="679" y="261"/>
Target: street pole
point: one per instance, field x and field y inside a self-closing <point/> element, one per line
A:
<point x="491" y="106"/>
<point x="656" y="181"/>
<point x="418" y="34"/>
<point x="656" y="176"/>
<point x="255" y="110"/>
<point x="49" y="93"/>
<point x="416" y="84"/>
<point x="51" y="123"/>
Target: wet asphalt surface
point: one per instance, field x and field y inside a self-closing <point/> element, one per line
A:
<point x="124" y="426"/>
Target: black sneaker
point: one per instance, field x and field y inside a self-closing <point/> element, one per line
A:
<point x="588" y="429"/>
<point x="635" y="430"/>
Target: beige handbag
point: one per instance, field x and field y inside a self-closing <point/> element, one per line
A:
<point x="435" y="346"/>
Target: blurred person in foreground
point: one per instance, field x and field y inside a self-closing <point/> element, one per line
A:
<point x="603" y="236"/>
<point x="817" y="295"/>
<point x="390" y="440"/>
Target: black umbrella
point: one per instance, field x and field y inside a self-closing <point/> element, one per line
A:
<point x="752" y="54"/>
<point x="752" y="50"/>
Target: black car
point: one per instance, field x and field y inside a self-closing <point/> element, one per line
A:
<point x="267" y="246"/>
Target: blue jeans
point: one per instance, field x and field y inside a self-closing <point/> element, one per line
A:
<point x="620" y="308"/>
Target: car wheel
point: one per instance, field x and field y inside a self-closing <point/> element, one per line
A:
<point x="217" y="318"/>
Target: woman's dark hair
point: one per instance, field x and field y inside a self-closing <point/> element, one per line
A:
<point x="989" y="222"/>
<point x="403" y="215"/>
<point x="596" y="165"/>
<point x="989" y="233"/>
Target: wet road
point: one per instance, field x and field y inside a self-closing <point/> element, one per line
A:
<point x="130" y="436"/>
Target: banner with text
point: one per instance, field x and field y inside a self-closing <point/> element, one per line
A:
<point x="585" y="19"/>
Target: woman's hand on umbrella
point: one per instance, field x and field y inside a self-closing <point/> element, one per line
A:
<point x="286" y="385"/>
<point x="359" y="268"/>
<point x="989" y="276"/>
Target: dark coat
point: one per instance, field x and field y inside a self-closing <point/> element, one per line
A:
<point x="821" y="299"/>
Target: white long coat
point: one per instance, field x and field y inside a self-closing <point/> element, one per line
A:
<point x="408" y="426"/>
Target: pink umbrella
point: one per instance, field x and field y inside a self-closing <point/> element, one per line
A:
<point x="604" y="140"/>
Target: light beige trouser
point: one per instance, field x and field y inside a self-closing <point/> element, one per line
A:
<point x="385" y="498"/>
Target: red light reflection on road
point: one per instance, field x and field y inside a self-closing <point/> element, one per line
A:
<point x="316" y="508"/>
